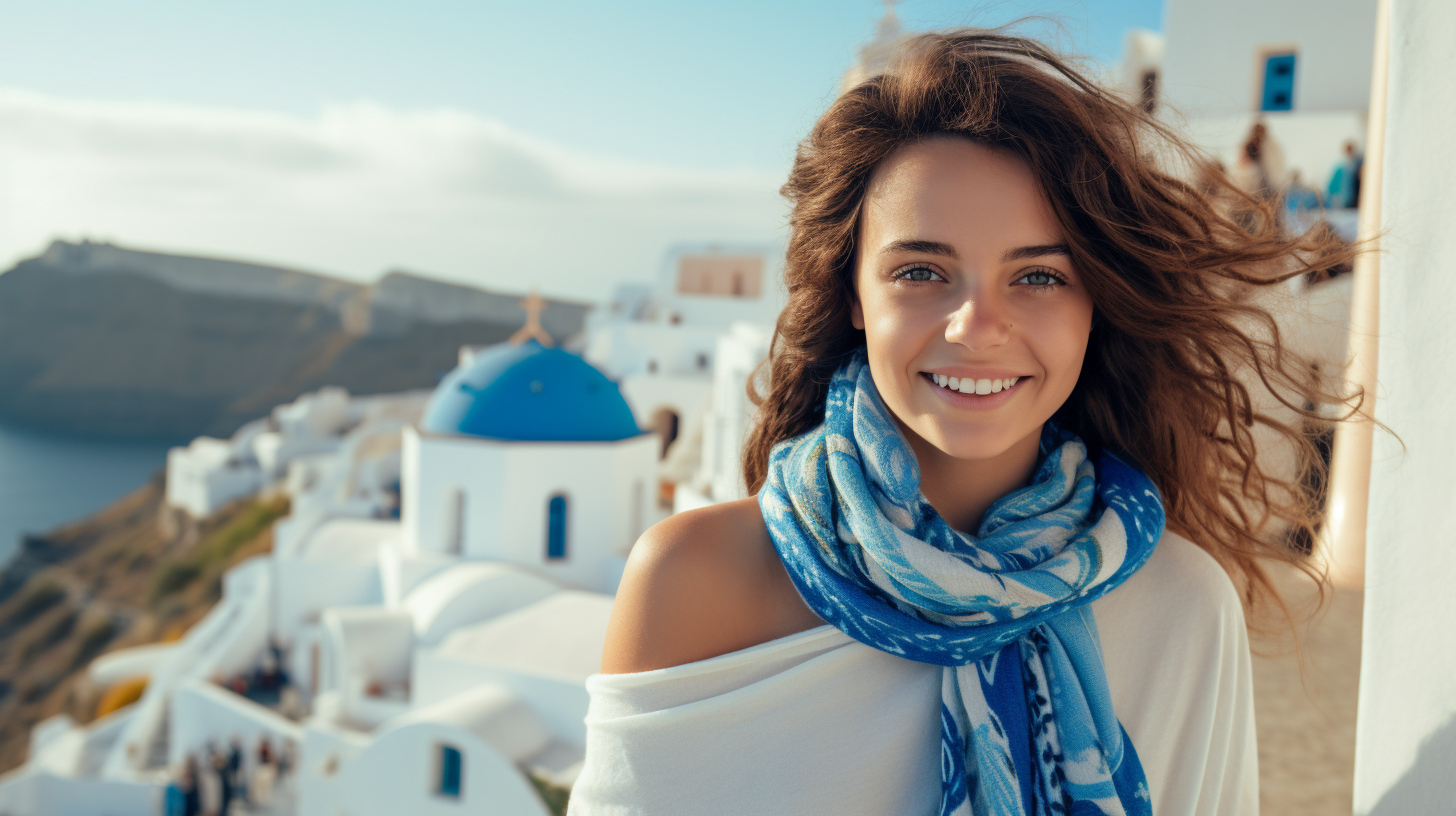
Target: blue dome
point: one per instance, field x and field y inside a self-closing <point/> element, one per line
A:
<point x="528" y="392"/>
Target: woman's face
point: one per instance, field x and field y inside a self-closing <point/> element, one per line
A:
<point x="963" y="279"/>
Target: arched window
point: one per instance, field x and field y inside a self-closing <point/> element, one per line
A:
<point x="454" y="521"/>
<point x="556" y="528"/>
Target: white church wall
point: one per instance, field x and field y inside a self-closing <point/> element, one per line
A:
<point x="203" y="714"/>
<point x="493" y="499"/>
<point x="604" y="511"/>
<point x="1213" y="61"/>
<point x="1406" y="739"/>
<point x="447" y="488"/>
<point x="400" y="773"/>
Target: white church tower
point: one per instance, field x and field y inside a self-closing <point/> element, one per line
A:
<point x="530" y="455"/>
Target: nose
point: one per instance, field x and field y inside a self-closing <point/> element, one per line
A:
<point x="982" y="322"/>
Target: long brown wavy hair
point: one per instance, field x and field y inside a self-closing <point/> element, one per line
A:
<point x="1171" y="265"/>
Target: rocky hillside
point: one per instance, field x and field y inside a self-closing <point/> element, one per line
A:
<point x="103" y="341"/>
<point x="131" y="574"/>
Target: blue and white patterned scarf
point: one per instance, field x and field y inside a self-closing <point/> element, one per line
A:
<point x="1027" y="726"/>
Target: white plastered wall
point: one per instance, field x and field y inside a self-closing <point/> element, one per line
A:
<point x="1406" y="740"/>
<point x="505" y="487"/>
<point x="1212" y="61"/>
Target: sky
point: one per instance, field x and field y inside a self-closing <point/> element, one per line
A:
<point x="558" y="145"/>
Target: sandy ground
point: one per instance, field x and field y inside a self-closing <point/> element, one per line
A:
<point x="1306" y="719"/>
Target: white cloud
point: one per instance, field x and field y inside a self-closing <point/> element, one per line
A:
<point x="356" y="190"/>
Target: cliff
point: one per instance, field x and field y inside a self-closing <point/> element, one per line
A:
<point x="98" y="340"/>
<point x="130" y="574"/>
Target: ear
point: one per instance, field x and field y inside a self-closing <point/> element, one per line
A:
<point x="856" y="315"/>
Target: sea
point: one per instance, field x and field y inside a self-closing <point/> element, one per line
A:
<point x="48" y="480"/>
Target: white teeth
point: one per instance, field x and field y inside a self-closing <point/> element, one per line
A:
<point x="974" y="386"/>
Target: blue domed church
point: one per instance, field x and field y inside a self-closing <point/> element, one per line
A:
<point x="530" y="455"/>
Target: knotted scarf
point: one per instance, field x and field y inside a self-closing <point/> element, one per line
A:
<point x="1027" y="726"/>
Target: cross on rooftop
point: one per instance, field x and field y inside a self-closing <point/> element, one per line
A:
<point x="534" y="305"/>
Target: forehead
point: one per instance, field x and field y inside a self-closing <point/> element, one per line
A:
<point x="957" y="191"/>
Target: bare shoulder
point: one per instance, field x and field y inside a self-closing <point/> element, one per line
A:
<point x="701" y="584"/>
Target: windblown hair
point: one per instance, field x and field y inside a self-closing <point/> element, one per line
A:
<point x="1172" y="265"/>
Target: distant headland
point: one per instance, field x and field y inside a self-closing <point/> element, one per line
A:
<point x="104" y="341"/>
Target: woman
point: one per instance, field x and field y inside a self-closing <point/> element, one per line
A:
<point x="1011" y="350"/>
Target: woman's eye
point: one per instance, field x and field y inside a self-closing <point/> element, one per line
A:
<point x="918" y="274"/>
<point x="1040" y="278"/>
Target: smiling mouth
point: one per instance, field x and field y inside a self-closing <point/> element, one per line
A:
<point x="972" y="386"/>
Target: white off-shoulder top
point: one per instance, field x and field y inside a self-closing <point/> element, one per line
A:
<point x="817" y="723"/>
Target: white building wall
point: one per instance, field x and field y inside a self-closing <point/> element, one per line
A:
<point x="730" y="414"/>
<point x="561" y="702"/>
<point x="30" y="793"/>
<point x="1214" y="58"/>
<point x="307" y="587"/>
<point x="203" y="714"/>
<point x="602" y="522"/>
<point x="397" y="774"/>
<point x="503" y="491"/>
<point x="1406" y="739"/>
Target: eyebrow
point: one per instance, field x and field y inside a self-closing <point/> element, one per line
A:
<point x="938" y="248"/>
<point x="1037" y="251"/>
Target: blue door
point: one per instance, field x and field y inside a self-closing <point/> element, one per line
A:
<point x="556" y="527"/>
<point x="1278" y="83"/>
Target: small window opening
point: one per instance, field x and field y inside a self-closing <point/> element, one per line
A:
<point x="454" y="521"/>
<point x="556" y="528"/>
<point x="449" y="761"/>
<point x="1148" y="92"/>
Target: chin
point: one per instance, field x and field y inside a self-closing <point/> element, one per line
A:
<point x="977" y="443"/>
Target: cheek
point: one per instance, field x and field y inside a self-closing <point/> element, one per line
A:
<point x="1061" y="344"/>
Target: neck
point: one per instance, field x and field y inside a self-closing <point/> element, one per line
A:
<point x="961" y="490"/>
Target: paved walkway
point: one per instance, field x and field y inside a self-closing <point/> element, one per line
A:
<point x="1306" y="719"/>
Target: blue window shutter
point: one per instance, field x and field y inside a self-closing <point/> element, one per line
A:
<point x="1278" y="83"/>
<point x="556" y="527"/>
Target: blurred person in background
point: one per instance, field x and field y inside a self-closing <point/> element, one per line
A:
<point x="1259" y="170"/>
<point x="1344" y="186"/>
<point x="1300" y="200"/>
